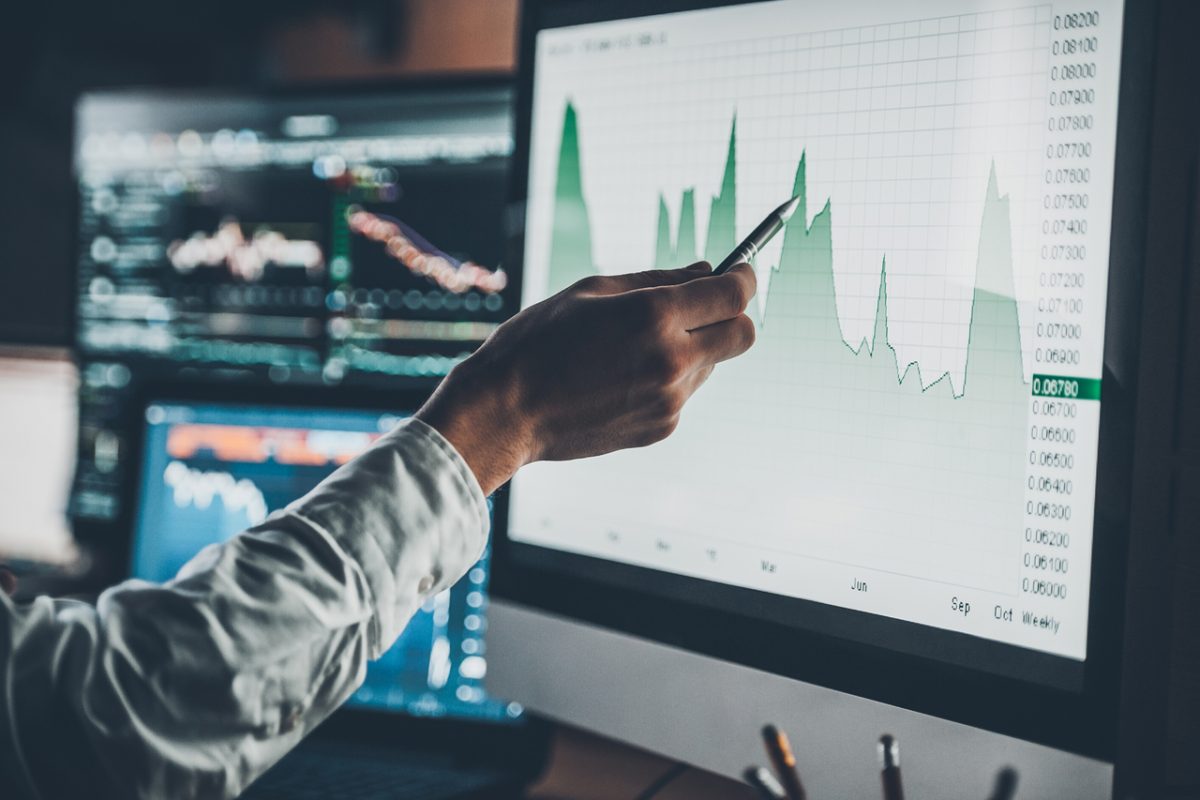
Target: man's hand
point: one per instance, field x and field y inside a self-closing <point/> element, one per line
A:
<point x="604" y="365"/>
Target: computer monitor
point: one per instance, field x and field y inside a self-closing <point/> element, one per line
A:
<point x="336" y="236"/>
<point x="209" y="471"/>
<point x="339" y="233"/>
<point x="913" y="488"/>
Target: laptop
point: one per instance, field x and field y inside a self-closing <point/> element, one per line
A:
<point x="422" y="724"/>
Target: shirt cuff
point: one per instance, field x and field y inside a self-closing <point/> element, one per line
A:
<point x="410" y="513"/>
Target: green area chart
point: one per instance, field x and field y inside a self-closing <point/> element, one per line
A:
<point x="842" y="444"/>
<point x="801" y="307"/>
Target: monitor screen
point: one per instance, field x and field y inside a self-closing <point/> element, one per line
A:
<point x="352" y="238"/>
<point x="211" y="471"/>
<point x="342" y="235"/>
<point x="907" y="457"/>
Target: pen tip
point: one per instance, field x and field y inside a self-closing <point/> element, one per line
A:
<point x="786" y="210"/>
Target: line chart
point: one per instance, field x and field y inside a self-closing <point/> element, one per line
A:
<point x="238" y="504"/>
<point x="417" y="254"/>
<point x="245" y="258"/>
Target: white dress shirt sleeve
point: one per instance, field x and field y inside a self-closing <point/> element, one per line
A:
<point x="196" y="687"/>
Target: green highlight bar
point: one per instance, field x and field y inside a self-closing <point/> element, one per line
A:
<point x="1064" y="388"/>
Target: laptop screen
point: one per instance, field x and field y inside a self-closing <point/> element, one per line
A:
<point x="209" y="471"/>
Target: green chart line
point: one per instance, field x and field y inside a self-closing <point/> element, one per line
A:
<point x="800" y="323"/>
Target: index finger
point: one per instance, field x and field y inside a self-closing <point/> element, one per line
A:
<point x="716" y="298"/>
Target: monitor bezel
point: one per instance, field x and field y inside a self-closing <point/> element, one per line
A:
<point x="1082" y="721"/>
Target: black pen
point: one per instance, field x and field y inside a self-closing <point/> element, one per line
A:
<point x="765" y="783"/>
<point x="759" y="237"/>
<point x="889" y="759"/>
<point x="780" y="752"/>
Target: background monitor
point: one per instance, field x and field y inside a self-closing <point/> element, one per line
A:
<point x="210" y="471"/>
<point x="337" y="234"/>
<point x="913" y="489"/>
<point x="349" y="237"/>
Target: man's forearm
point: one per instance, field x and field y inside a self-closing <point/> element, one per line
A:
<point x="194" y="688"/>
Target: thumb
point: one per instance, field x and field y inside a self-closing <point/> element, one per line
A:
<point x="631" y="281"/>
